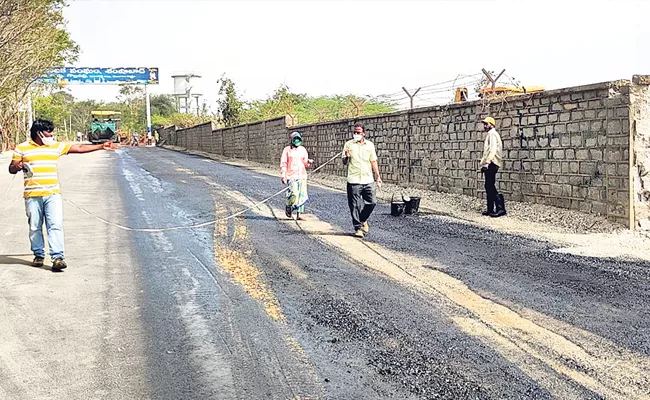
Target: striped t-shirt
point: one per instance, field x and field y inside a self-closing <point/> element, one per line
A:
<point x="43" y="162"/>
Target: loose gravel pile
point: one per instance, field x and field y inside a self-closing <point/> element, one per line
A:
<point x="470" y="208"/>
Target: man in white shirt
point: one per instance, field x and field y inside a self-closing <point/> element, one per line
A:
<point x="360" y="157"/>
<point x="490" y="163"/>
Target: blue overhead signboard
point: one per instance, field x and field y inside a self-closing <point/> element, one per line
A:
<point x="102" y="76"/>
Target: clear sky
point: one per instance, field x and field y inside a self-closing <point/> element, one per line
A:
<point x="361" y="47"/>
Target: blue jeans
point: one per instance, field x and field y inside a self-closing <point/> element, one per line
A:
<point x="48" y="209"/>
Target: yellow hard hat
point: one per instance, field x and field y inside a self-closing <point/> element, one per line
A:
<point x="489" y="120"/>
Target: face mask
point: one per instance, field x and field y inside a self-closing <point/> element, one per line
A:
<point x="357" y="137"/>
<point x="47" y="140"/>
<point x="297" y="142"/>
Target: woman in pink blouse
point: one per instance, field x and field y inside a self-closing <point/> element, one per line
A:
<point x="294" y="163"/>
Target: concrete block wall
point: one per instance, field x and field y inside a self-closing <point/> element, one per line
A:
<point x="640" y="147"/>
<point x="259" y="141"/>
<point x="563" y="148"/>
<point x="277" y="138"/>
<point x="568" y="148"/>
<point x="257" y="146"/>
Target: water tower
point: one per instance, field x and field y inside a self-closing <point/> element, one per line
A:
<point x="187" y="93"/>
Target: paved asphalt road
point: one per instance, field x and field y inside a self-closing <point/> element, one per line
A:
<point x="260" y="307"/>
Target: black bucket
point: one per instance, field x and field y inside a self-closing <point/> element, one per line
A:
<point x="412" y="206"/>
<point x="396" y="207"/>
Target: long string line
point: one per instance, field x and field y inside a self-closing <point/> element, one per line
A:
<point x="173" y="228"/>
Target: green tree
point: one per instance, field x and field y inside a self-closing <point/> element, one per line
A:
<point x="57" y="107"/>
<point x="163" y="105"/>
<point x="33" y="40"/>
<point x="305" y="109"/>
<point x="131" y="102"/>
<point x="81" y="117"/>
<point x="230" y="107"/>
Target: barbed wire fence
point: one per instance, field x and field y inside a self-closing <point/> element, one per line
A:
<point x="439" y="93"/>
<point x="462" y="88"/>
<point x="435" y="94"/>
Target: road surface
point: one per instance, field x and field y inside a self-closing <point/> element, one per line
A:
<point x="260" y="307"/>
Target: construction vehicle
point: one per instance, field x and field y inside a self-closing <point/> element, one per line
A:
<point x="104" y="127"/>
<point x="461" y="95"/>
<point x="489" y="92"/>
<point x="124" y="136"/>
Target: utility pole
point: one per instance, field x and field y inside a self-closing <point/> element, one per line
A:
<point x="411" y="96"/>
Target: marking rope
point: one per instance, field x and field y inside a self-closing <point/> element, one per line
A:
<point x="173" y="228"/>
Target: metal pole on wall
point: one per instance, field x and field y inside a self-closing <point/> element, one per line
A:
<point x="146" y="94"/>
<point x="411" y="96"/>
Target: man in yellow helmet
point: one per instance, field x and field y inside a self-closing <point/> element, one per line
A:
<point x="490" y="163"/>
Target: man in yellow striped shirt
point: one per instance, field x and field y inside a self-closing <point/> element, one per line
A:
<point x="38" y="158"/>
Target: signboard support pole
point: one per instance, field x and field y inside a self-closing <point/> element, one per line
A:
<point x="146" y="94"/>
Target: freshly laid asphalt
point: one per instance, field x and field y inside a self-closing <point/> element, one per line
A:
<point x="259" y="307"/>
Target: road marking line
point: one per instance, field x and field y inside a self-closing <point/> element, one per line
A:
<point x="239" y="265"/>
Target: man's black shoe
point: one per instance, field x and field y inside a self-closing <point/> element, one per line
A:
<point x="59" y="264"/>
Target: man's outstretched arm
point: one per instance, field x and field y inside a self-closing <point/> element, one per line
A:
<point x="87" y="148"/>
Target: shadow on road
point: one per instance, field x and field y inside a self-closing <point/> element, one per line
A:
<point x="16" y="259"/>
<point x="314" y="233"/>
<point x="256" y="217"/>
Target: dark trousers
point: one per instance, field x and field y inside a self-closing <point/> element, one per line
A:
<point x="361" y="200"/>
<point x="490" y="186"/>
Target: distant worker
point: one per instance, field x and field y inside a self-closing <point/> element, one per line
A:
<point x="490" y="163"/>
<point x="38" y="159"/>
<point x="293" y="165"/>
<point x="136" y="137"/>
<point x="156" y="137"/>
<point x="360" y="157"/>
<point x="79" y="137"/>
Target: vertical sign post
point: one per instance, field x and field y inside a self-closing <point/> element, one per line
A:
<point x="146" y="95"/>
